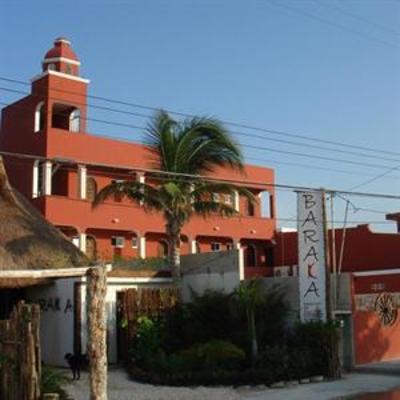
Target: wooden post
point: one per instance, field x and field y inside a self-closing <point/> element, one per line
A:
<point x="96" y="289"/>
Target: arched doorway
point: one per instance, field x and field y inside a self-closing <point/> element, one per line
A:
<point x="162" y="249"/>
<point x="251" y="256"/>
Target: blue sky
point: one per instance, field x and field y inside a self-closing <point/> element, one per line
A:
<point x="302" y="67"/>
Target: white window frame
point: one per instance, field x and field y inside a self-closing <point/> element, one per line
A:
<point x="228" y="199"/>
<point x="75" y="241"/>
<point x="38" y="114"/>
<point x="216" y="197"/>
<point x="135" y="242"/>
<point x="118" y="241"/>
<point x="215" y="246"/>
<point x="75" y="120"/>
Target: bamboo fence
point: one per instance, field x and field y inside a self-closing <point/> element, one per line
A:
<point x="135" y="303"/>
<point x="20" y="359"/>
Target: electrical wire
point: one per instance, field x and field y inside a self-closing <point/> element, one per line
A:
<point x="195" y="178"/>
<point x="341" y="10"/>
<point x="238" y="133"/>
<point x="253" y="147"/>
<point x="231" y="123"/>
<point x="334" y="24"/>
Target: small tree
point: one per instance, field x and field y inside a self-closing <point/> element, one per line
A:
<point x="249" y="295"/>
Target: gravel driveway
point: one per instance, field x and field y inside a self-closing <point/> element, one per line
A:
<point x="120" y="387"/>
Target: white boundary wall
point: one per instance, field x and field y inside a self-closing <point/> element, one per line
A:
<point x="222" y="270"/>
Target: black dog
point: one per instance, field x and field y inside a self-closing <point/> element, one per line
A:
<point x="76" y="362"/>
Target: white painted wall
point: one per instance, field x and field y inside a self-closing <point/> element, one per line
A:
<point x="215" y="271"/>
<point x="56" y="319"/>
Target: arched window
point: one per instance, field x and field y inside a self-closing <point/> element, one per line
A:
<point x="75" y="121"/>
<point x="251" y="256"/>
<point x="91" y="188"/>
<point x="250" y="209"/>
<point x="91" y="248"/>
<point x="163" y="249"/>
<point x="39" y="117"/>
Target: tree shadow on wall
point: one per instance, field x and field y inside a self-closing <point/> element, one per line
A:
<point x="371" y="341"/>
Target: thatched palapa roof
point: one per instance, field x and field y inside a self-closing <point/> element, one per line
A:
<point x="28" y="241"/>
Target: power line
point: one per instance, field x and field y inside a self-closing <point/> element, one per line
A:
<point x="375" y="178"/>
<point x="231" y="123"/>
<point x="195" y="178"/>
<point x="316" y="168"/>
<point x="357" y="17"/>
<point x="245" y="134"/>
<point x="334" y="24"/>
<point x="286" y="152"/>
<point x="283" y="219"/>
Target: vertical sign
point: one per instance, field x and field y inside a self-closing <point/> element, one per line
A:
<point x="311" y="248"/>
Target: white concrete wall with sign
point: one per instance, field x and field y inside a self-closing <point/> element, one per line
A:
<point x="57" y="316"/>
<point x="56" y="319"/>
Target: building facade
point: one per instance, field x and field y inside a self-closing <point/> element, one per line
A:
<point x="65" y="166"/>
<point x="363" y="250"/>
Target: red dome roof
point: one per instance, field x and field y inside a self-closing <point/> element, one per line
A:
<point x="61" y="49"/>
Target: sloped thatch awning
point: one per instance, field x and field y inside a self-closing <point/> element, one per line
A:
<point x="28" y="241"/>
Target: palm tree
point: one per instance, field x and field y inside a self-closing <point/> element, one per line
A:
<point x="180" y="153"/>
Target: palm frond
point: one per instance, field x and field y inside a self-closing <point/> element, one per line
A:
<point x="208" y="208"/>
<point x="133" y="190"/>
<point x="160" y="138"/>
<point x="201" y="189"/>
<point x="205" y="143"/>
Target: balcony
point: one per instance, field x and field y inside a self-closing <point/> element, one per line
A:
<point x="65" y="211"/>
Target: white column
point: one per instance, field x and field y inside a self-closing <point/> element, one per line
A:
<point x="241" y="264"/>
<point x="236" y="201"/>
<point x="47" y="177"/>
<point x="141" y="179"/>
<point x="35" y="179"/>
<point x="193" y="246"/>
<point x="82" y="242"/>
<point x="236" y="244"/>
<point x="82" y="179"/>
<point x="142" y="246"/>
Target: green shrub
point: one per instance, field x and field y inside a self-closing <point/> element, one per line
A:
<point x="52" y="380"/>
<point x="207" y="317"/>
<point x="153" y="263"/>
<point x="148" y="341"/>
<point x="216" y="316"/>
<point x="320" y="340"/>
<point x="213" y="355"/>
<point x="299" y="363"/>
<point x="276" y="359"/>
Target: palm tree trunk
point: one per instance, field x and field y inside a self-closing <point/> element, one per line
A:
<point x="174" y="252"/>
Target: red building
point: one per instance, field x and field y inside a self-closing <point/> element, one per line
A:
<point x="363" y="250"/>
<point x="69" y="165"/>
